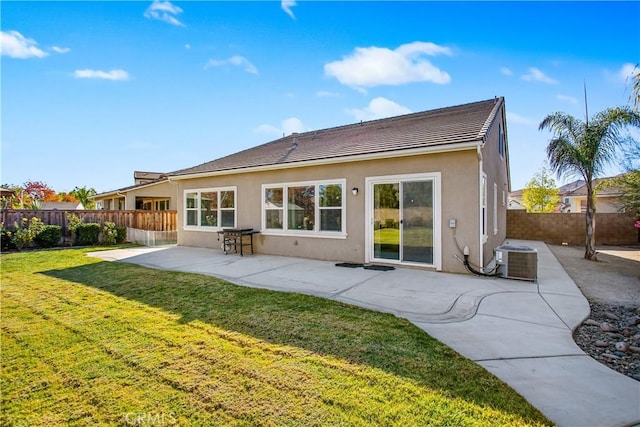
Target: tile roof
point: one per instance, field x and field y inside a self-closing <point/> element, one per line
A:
<point x="444" y="127"/>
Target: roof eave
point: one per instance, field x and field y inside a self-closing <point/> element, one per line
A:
<point x="127" y="189"/>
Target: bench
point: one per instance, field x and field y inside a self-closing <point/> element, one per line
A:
<point x="232" y="238"/>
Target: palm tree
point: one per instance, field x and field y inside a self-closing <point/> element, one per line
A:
<point x="585" y="149"/>
<point x="84" y="195"/>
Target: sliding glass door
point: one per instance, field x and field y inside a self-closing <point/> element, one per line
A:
<point x="402" y="215"/>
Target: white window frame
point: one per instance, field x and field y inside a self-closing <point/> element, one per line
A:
<point x="316" y="232"/>
<point x="501" y="141"/>
<point x="156" y="204"/>
<point x="495" y="208"/>
<point x="198" y="207"/>
<point x="483" y="207"/>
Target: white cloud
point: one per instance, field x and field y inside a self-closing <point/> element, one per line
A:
<point x="515" y="118"/>
<point x="506" y="71"/>
<point x="58" y="49"/>
<point x="378" y="108"/>
<point x="535" y="75"/>
<point x="187" y="46"/>
<point x="374" y="66"/>
<point x="237" y="61"/>
<point x="15" y="45"/>
<point x="327" y="94"/>
<point x="287" y="5"/>
<point x="626" y="72"/>
<point x="287" y="127"/>
<point x="164" y="11"/>
<point x="99" y="74"/>
<point x="567" y="98"/>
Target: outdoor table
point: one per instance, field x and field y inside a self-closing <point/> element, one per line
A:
<point x="232" y="238"/>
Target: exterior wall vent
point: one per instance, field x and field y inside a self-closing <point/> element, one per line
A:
<point x="517" y="262"/>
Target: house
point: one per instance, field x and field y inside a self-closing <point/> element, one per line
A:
<point x="61" y="206"/>
<point x="140" y="177"/>
<point x="409" y="190"/>
<point x="152" y="191"/>
<point x="573" y="197"/>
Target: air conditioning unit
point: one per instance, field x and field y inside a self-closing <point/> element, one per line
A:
<point x="517" y="262"/>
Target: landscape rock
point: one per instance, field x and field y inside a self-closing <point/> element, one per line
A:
<point x="601" y="345"/>
<point x="611" y="316"/>
<point x="622" y="346"/>
<point x="607" y="327"/>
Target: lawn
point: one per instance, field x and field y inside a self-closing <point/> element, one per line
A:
<point x="91" y="342"/>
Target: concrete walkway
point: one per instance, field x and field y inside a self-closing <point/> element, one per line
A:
<point x="520" y="331"/>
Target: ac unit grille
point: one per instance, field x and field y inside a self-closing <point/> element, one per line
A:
<point x="518" y="262"/>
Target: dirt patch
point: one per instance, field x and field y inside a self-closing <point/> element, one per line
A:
<point x="613" y="280"/>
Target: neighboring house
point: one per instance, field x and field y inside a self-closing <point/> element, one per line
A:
<point x="573" y="197"/>
<point x="408" y="190"/>
<point x="62" y="206"/>
<point x="140" y="177"/>
<point x="147" y="194"/>
<point x="6" y="196"/>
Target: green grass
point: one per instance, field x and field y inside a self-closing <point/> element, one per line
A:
<point x="88" y="342"/>
<point x="415" y="236"/>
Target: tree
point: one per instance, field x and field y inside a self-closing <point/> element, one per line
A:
<point x="634" y="97"/>
<point x="585" y="149"/>
<point x="83" y="195"/>
<point x="40" y="191"/>
<point x="541" y="195"/>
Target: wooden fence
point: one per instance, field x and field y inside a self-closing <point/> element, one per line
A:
<point x="143" y="220"/>
<point x="557" y="228"/>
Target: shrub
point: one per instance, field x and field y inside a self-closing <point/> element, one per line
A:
<point x="88" y="234"/>
<point x="73" y="222"/>
<point x="24" y="233"/>
<point x="121" y="234"/>
<point x="5" y="238"/>
<point x="49" y="236"/>
<point x="109" y="233"/>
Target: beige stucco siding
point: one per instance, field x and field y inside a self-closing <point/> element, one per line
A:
<point x="494" y="166"/>
<point x="163" y="190"/>
<point x="459" y="196"/>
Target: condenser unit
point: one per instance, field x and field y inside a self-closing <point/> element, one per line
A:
<point x="517" y="262"/>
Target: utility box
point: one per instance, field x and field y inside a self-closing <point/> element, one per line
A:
<point x="517" y="262"/>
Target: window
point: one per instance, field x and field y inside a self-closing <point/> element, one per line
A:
<point x="495" y="208"/>
<point x="211" y="208"/>
<point x="500" y="140"/>
<point x="310" y="207"/>
<point x="162" y="205"/>
<point x="483" y="206"/>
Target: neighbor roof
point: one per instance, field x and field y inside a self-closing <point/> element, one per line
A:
<point x="131" y="187"/>
<point x="443" y="127"/>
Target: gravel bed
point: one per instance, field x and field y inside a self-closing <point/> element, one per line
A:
<point x="611" y="335"/>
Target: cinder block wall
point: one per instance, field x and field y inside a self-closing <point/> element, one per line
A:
<point x="558" y="228"/>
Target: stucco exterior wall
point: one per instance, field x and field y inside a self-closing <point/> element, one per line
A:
<point x="163" y="190"/>
<point x="459" y="197"/>
<point x="494" y="166"/>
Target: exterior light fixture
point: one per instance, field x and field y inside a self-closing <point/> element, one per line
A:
<point x="354" y="191"/>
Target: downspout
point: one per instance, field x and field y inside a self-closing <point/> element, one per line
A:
<point x="480" y="218"/>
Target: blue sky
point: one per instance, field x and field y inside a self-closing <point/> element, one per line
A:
<point x="92" y="91"/>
